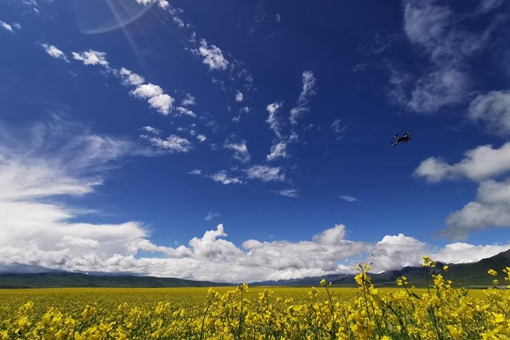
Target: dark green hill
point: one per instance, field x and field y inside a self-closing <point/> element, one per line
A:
<point x="82" y="280"/>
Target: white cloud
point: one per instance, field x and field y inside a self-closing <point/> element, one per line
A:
<point x="223" y="178"/>
<point x="201" y="138"/>
<point x="16" y="26"/>
<point x="439" y="88"/>
<point x="162" y="103"/>
<point x="212" y="56"/>
<point x="158" y="100"/>
<point x="438" y="30"/>
<point x="486" y="6"/>
<point x="195" y="172"/>
<point x="293" y="193"/>
<point x="91" y="57"/>
<point x="239" y="97"/>
<point x="6" y="26"/>
<point x="278" y="150"/>
<point x="396" y="251"/>
<point x="278" y="17"/>
<point x="331" y="237"/>
<point x="131" y="78"/>
<point x="348" y="198"/>
<point x="54" y="52"/>
<point x="189" y="100"/>
<point x="163" y="4"/>
<point x="337" y="128"/>
<point x="211" y="216"/>
<point x="493" y="109"/>
<point x="266" y="173"/>
<point x="184" y="111"/>
<point x="40" y="235"/>
<point x="308" y="91"/>
<point x="172" y="144"/>
<point x="151" y="129"/>
<point x="49" y="162"/>
<point x="491" y="209"/>
<point x="479" y="164"/>
<point x="240" y="150"/>
<point x="272" y="120"/>
<point x="146" y="91"/>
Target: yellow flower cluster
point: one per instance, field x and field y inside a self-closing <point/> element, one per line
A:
<point x="244" y="312"/>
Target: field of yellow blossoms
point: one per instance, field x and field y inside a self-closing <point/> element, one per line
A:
<point x="440" y="312"/>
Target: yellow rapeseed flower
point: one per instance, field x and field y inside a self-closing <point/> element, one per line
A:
<point x="492" y="272"/>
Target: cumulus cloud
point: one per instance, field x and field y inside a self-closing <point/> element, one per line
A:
<point x="172" y="144"/>
<point x="189" y="100"/>
<point x="54" y="52"/>
<point x="223" y="178"/>
<point x="53" y="161"/>
<point x="43" y="234"/>
<point x="493" y="109"/>
<point x="239" y="97"/>
<point x="195" y="172"/>
<point x="396" y="251"/>
<point x="91" y="57"/>
<point x="240" y="151"/>
<point x="212" y="56"/>
<point x="158" y="100"/>
<point x="278" y="150"/>
<point x="309" y="89"/>
<point x="201" y="138"/>
<point x="293" y="193"/>
<point x="131" y="78"/>
<point x="211" y="216"/>
<point x="479" y="164"/>
<point x="6" y="26"/>
<point x="151" y="129"/>
<point x="266" y="173"/>
<point x="184" y="111"/>
<point x="490" y="209"/>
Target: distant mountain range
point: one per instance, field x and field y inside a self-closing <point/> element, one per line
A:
<point x="470" y="275"/>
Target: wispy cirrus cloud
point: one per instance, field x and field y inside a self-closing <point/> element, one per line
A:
<point x="278" y="150"/>
<point x="309" y="89"/>
<point x="172" y="144"/>
<point x="211" y="216"/>
<point x="273" y="120"/>
<point x="223" y="178"/>
<point x="240" y="150"/>
<point x="265" y="173"/>
<point x="337" y="128"/>
<point x="348" y="198"/>
<point x="292" y="193"/>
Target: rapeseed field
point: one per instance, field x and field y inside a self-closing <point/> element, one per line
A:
<point x="326" y="312"/>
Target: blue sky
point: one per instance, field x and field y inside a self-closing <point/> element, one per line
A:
<point x="247" y="141"/>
